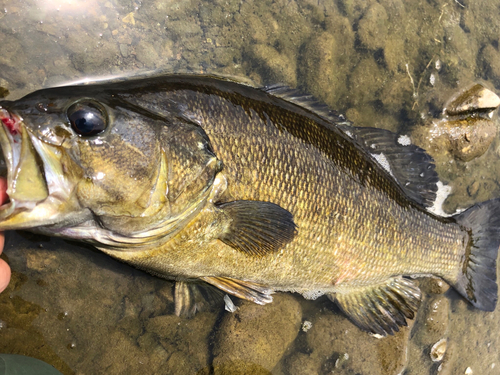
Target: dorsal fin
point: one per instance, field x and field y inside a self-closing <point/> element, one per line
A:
<point x="411" y="166"/>
<point x="305" y="101"/>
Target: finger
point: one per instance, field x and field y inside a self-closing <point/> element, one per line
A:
<point x="4" y="275"/>
<point x="3" y="198"/>
<point x="3" y="190"/>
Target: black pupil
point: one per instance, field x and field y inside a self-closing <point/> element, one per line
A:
<point x="87" y="119"/>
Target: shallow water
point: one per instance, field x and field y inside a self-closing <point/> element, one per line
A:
<point x="390" y="64"/>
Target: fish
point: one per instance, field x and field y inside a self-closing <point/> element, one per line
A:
<point x="250" y="191"/>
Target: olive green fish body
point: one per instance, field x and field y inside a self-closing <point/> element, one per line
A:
<point x="253" y="191"/>
<point x="354" y="225"/>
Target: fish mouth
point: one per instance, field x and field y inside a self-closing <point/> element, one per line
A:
<point x="36" y="187"/>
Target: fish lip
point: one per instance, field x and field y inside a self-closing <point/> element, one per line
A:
<point x="14" y="137"/>
<point x="9" y="138"/>
<point x="40" y="194"/>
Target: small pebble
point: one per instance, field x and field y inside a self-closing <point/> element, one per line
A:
<point x="306" y="326"/>
<point x="229" y="304"/>
<point x="438" y="350"/>
<point x="473" y="189"/>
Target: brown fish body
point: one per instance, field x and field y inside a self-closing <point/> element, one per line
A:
<point x="249" y="191"/>
<point x="355" y="226"/>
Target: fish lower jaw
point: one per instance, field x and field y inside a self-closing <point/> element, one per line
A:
<point x="23" y="215"/>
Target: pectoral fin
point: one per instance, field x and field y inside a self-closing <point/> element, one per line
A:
<point x="242" y="289"/>
<point x="381" y="308"/>
<point x="256" y="228"/>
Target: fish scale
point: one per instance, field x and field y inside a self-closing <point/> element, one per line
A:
<point x="252" y="191"/>
<point x="315" y="195"/>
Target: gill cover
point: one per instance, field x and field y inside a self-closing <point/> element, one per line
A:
<point x="100" y="169"/>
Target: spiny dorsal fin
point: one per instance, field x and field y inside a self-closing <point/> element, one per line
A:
<point x="382" y="308"/>
<point x="304" y="100"/>
<point x="242" y="289"/>
<point x="411" y="167"/>
<point x="257" y="228"/>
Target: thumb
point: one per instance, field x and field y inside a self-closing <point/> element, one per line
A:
<point x="4" y="268"/>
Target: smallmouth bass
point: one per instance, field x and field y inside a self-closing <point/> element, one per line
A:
<point x="253" y="191"/>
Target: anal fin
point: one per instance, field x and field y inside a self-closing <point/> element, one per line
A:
<point x="242" y="289"/>
<point x="381" y="308"/>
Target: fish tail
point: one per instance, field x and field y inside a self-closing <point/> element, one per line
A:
<point x="477" y="278"/>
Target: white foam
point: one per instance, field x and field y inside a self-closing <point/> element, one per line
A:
<point x="404" y="140"/>
<point x="383" y="162"/>
<point x="441" y="195"/>
<point x="312" y="294"/>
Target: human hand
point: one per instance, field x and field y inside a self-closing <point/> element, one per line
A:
<point x="4" y="267"/>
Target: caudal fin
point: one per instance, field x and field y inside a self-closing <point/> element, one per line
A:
<point x="477" y="279"/>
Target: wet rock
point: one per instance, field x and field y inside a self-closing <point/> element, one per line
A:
<point x="348" y="349"/>
<point x="432" y="321"/>
<point x="4" y="88"/>
<point x="259" y="32"/>
<point x="12" y="53"/>
<point x="183" y="29"/>
<point x="456" y="37"/>
<point x="185" y="339"/>
<point x="146" y="53"/>
<point x="394" y="55"/>
<point x="254" y="338"/>
<point x="436" y="311"/>
<point x="372" y="29"/>
<point x="302" y="364"/>
<point x="470" y="138"/>
<point x="124" y="49"/>
<point x="491" y="60"/>
<point x="42" y="260"/>
<point x="475" y="100"/>
<point x="467" y="130"/>
<point x="421" y="358"/>
<point x="279" y="66"/>
<point x="446" y="367"/>
<point x="434" y="285"/>
<point x="181" y="363"/>
<point x="367" y="80"/>
<point x="96" y="59"/>
<point x="325" y="63"/>
<point x="397" y="88"/>
<point x="353" y="8"/>
<point x="473" y="189"/>
<point x="129" y="19"/>
<point x="122" y="356"/>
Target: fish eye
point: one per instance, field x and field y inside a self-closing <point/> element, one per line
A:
<point x="87" y="118"/>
